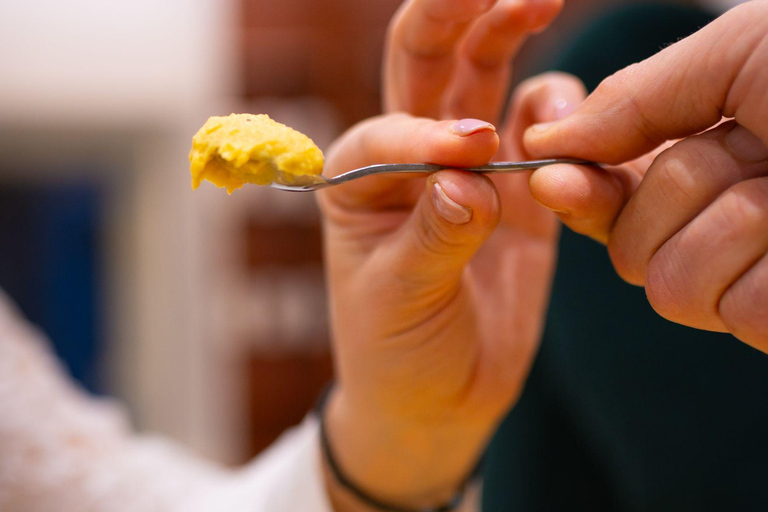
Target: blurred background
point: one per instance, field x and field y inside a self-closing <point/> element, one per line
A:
<point x="205" y="313"/>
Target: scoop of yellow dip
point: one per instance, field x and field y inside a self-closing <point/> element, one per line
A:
<point x="245" y="148"/>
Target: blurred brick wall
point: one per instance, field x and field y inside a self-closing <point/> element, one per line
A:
<point x="325" y="48"/>
<point x="284" y="381"/>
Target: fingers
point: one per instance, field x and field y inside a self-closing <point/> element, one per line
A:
<point x="589" y="199"/>
<point x="420" y="52"/>
<point x="698" y="221"/>
<point x="542" y="98"/>
<point x="689" y="274"/>
<point x="484" y="64"/>
<point x="496" y="37"/>
<point x="400" y="138"/>
<point x="452" y="59"/>
<point x="586" y="199"/>
<point x="454" y="216"/>
<point x="679" y="185"/>
<point x="681" y="91"/>
<point x="742" y="306"/>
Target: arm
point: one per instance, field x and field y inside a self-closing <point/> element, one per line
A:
<point x="689" y="223"/>
<point x="61" y="450"/>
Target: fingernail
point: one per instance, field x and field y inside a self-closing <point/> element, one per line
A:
<point x="552" y="209"/>
<point x="745" y="145"/>
<point x="563" y="109"/>
<point x="542" y="127"/>
<point x="449" y="209"/>
<point x="466" y="127"/>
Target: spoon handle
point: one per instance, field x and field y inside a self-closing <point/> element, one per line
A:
<point x="495" y="167"/>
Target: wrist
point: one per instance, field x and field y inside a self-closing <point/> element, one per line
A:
<point x="402" y="463"/>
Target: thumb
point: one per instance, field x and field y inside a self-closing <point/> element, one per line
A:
<point x="681" y="91"/>
<point x="456" y="213"/>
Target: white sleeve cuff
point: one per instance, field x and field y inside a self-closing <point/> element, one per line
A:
<point x="288" y="477"/>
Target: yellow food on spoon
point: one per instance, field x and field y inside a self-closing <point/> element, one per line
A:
<point x="245" y="148"/>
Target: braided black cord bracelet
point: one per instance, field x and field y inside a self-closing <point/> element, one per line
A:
<point x="361" y="495"/>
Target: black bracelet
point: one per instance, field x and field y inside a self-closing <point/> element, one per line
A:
<point x="359" y="493"/>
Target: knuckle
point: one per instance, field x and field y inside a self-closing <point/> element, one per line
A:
<point x="747" y="27"/>
<point x="744" y="308"/>
<point x="629" y="252"/>
<point x="743" y="311"/>
<point x="506" y="15"/>
<point x="617" y="81"/>
<point x="625" y="262"/>
<point x="463" y="105"/>
<point x="417" y="44"/>
<point x="626" y="87"/>
<point x="742" y="209"/>
<point x="676" y="172"/>
<point x="664" y="288"/>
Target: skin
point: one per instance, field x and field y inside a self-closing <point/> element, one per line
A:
<point x="437" y="307"/>
<point x="689" y="223"/>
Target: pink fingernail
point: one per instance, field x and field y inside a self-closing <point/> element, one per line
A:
<point x="745" y="145"/>
<point x="466" y="127"/>
<point x="449" y="209"/>
<point x="563" y="109"/>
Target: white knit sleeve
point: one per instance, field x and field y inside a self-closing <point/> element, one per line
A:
<point x="64" y="451"/>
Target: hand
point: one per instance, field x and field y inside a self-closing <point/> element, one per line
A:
<point x="691" y="224"/>
<point x="439" y="286"/>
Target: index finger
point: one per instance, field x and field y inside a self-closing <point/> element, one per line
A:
<point x="719" y="71"/>
<point x="401" y="138"/>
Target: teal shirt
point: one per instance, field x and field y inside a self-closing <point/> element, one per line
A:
<point x="625" y="411"/>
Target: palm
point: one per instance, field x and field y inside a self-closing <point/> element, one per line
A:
<point x="509" y="283"/>
<point x="488" y="329"/>
<point x="513" y="271"/>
